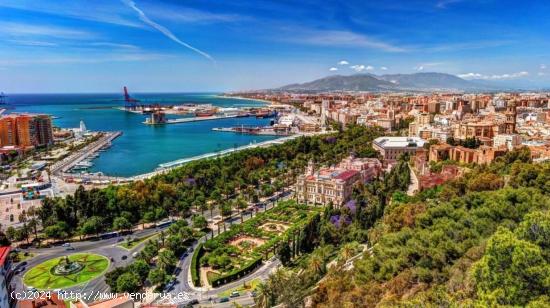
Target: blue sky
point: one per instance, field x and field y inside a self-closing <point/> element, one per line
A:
<point x="213" y="45"/>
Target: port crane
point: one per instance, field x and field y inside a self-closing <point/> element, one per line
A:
<point x="130" y="103"/>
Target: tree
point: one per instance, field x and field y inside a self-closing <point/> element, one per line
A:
<point x="264" y="296"/>
<point x="140" y="267"/>
<point x="512" y="271"/>
<point x="57" y="231"/>
<point x="121" y="224"/>
<point x="284" y="253"/>
<point x="128" y="282"/>
<point x="199" y="222"/>
<point x="94" y="225"/>
<point x="166" y="259"/>
<point x="4" y="241"/>
<point x="157" y="276"/>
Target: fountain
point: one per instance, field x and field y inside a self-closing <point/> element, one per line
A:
<point x="67" y="267"/>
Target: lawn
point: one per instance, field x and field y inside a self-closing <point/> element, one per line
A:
<point x="133" y="243"/>
<point x="42" y="277"/>
<point x="249" y="286"/>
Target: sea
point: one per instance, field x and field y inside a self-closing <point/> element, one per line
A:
<point x="141" y="148"/>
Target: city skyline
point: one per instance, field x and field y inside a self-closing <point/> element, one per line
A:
<point x="74" y="46"/>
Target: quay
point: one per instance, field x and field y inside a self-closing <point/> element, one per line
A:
<point x="262" y="131"/>
<point x="191" y="119"/>
<point x="61" y="167"/>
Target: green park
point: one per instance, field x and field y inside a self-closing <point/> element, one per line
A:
<point x="238" y="251"/>
<point x="66" y="272"/>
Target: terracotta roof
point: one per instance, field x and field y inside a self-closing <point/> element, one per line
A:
<point x="4" y="252"/>
<point x="346" y="175"/>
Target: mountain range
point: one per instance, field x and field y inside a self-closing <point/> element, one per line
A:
<point x="391" y="82"/>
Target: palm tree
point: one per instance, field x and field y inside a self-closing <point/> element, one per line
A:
<point x="263" y="296"/>
<point x="348" y="251"/>
<point x="316" y="264"/>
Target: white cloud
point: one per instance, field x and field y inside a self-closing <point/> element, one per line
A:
<point x="543" y="66"/>
<point x="34" y="30"/>
<point x="333" y="69"/>
<point x="422" y="66"/>
<point x="104" y="58"/>
<point x="188" y="15"/>
<point x="358" y="67"/>
<point x="33" y="43"/>
<point x="369" y="68"/>
<point x="494" y="76"/>
<point x="104" y="11"/>
<point x="341" y="39"/>
<point x="164" y="30"/>
<point x="343" y="62"/>
<point x="384" y="68"/>
<point x="115" y="45"/>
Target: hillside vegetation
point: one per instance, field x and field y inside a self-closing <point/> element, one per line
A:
<point x="482" y="240"/>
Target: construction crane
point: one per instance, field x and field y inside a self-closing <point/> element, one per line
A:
<point x="130" y="102"/>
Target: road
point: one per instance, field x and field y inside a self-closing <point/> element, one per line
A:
<point x="108" y="248"/>
<point x="184" y="283"/>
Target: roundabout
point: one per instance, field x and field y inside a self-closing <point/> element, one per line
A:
<point x="66" y="272"/>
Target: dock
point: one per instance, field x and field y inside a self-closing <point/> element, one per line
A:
<point x="261" y="131"/>
<point x="67" y="163"/>
<point x="193" y="119"/>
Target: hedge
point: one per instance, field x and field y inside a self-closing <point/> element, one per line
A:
<point x="237" y="274"/>
<point x="195" y="265"/>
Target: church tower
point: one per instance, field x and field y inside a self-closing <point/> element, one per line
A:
<point x="511" y="114"/>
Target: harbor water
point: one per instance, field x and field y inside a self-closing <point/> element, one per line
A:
<point x="141" y="148"/>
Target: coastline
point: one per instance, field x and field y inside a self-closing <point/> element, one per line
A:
<point x="268" y="102"/>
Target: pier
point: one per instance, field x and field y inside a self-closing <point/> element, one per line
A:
<point x="192" y="119"/>
<point x="61" y="167"/>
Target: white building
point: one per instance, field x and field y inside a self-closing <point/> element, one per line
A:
<point x="392" y="147"/>
<point x="510" y="141"/>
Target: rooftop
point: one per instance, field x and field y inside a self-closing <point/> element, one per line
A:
<point x="4" y="252"/>
<point x="399" y="142"/>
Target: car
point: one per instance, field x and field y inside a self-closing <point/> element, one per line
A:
<point x="19" y="270"/>
<point x="124" y="257"/>
<point x="193" y="302"/>
<point x="253" y="294"/>
<point x="66" y="245"/>
<point x="190" y="249"/>
<point x="120" y="239"/>
<point x="235" y="294"/>
<point x="224" y="300"/>
<point x="31" y="289"/>
<point x="69" y="248"/>
<point x="135" y="254"/>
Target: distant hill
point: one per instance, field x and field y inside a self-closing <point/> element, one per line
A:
<point x="393" y="82"/>
<point x="359" y="82"/>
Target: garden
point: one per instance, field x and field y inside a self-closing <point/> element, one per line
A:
<point x="235" y="253"/>
<point x="66" y="272"/>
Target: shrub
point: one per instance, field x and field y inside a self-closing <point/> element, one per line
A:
<point x="195" y="265"/>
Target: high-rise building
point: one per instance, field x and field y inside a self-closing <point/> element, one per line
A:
<point x="43" y="130"/>
<point x="25" y="130"/>
<point x="8" y="131"/>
